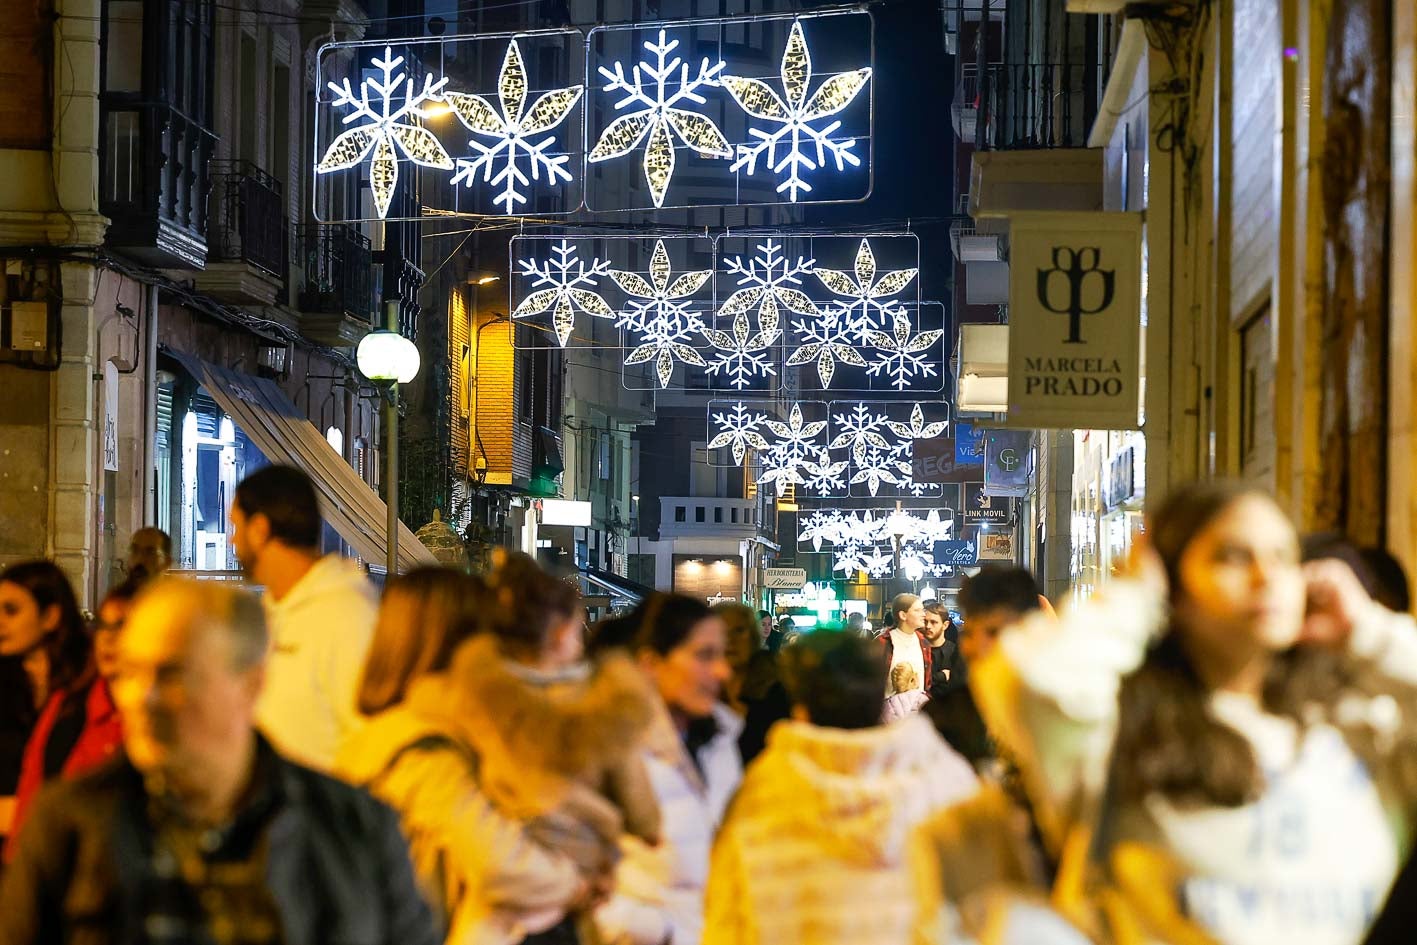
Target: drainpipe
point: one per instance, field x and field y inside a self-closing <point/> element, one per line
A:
<point x="150" y="413"/>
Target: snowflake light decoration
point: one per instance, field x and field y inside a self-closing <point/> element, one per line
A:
<point x="866" y="305"/>
<point x="860" y="430"/>
<point x="745" y="354"/>
<point x="917" y="428"/>
<point x="874" y="467"/>
<point x="738" y="429"/>
<point x="823" y="475"/>
<point x="658" y="120"/>
<point x="797" y="437"/>
<point x="903" y="356"/>
<point x="662" y="313"/>
<point x="770" y="281"/>
<point x="568" y="285"/>
<point x="386" y="127"/>
<point x="825" y="341"/>
<point x="903" y="452"/>
<point x="790" y="146"/>
<point x="779" y="468"/>
<point x="511" y="132"/>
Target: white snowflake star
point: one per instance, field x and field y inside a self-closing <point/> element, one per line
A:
<point x="658" y="121"/>
<point x="859" y="429"/>
<point x="874" y="467"/>
<point x="662" y="313"/>
<point x="826" y="341"/>
<point x="789" y="147"/>
<point x="568" y="283"/>
<point x="796" y="436"/>
<point x="738" y="428"/>
<point x="743" y="355"/>
<point x="770" y="282"/>
<point x="511" y="131"/>
<point x="385" y="127"/>
<point x="779" y="468"/>
<point x="917" y="428"/>
<point x="867" y="304"/>
<point x="903" y="356"/>
<point x="824" y="476"/>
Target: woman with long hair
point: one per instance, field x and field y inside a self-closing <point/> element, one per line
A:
<point x="694" y="766"/>
<point x="484" y="875"/>
<point x="1234" y="730"/>
<point x="58" y="710"/>
<point x="755" y="690"/>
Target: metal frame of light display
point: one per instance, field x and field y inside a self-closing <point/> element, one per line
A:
<point x="865" y="540"/>
<point x="835" y="449"/>
<point x="765" y="307"/>
<point x="513" y="142"/>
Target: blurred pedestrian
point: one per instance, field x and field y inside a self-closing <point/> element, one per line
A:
<point x="903" y="640"/>
<point x="79" y="728"/>
<point x="149" y="553"/>
<point x="202" y="832"/>
<point x="906" y="697"/>
<point x="813" y="849"/>
<point x="694" y="765"/>
<point x="764" y="625"/>
<point x="487" y="880"/>
<point x="559" y="740"/>
<point x="54" y="705"/>
<point x="993" y="599"/>
<point x="754" y="691"/>
<point x="1259" y="717"/>
<point x="856" y="623"/>
<point x="321" y="611"/>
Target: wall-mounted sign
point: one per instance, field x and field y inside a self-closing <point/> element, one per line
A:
<point x="565" y="512"/>
<point x="969" y="445"/>
<point x="980" y="508"/>
<point x="784" y="579"/>
<point x="955" y="553"/>
<point x="995" y="544"/>
<point x="1075" y="320"/>
<point x="1007" y="462"/>
<point x="1121" y="482"/>
<point x="110" y="416"/>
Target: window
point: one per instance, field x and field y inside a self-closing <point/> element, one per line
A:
<point x="680" y="513"/>
<point x="718" y="514"/>
<point x="249" y="106"/>
<point x="280" y="123"/>
<point x="698" y="513"/>
<point x="735" y="515"/>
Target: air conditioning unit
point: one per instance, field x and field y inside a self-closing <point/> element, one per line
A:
<point x="980" y="247"/>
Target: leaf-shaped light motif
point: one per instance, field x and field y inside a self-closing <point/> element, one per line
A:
<point x="796" y="147"/>
<point x="903" y="356"/>
<point x="513" y="158"/>
<point x="563" y="284"/>
<point x="661" y="313"/>
<point x="917" y="428"/>
<point x="824" y="341"/>
<point x="385" y="124"/>
<point x="867" y="304"/>
<point x="656" y="91"/>
<point x="738" y="430"/>
<point x="768" y="282"/>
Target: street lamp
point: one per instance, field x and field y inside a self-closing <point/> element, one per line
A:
<point x="389" y="359"/>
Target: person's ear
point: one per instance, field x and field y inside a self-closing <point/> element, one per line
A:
<point x="49" y="618"/>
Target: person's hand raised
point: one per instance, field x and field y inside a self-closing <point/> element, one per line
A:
<point x="1335" y="601"/>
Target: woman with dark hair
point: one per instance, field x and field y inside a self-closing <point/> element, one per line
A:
<point x="59" y="714"/>
<point x="693" y="765"/>
<point x="485" y="876"/>
<point x="1257" y="714"/>
<point x="754" y="691"/>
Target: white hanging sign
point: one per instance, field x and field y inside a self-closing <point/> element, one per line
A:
<point x="1075" y="320"/>
<point x="110" y="416"/>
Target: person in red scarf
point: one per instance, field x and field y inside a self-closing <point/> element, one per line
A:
<point x="78" y="728"/>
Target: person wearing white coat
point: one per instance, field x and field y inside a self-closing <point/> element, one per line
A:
<point x="694" y="767"/>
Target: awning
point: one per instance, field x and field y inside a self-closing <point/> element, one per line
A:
<point x="618" y="588"/>
<point x="284" y="435"/>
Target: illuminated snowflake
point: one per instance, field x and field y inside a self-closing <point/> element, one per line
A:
<point x="860" y="429"/>
<point x="917" y="428"/>
<point x="657" y="120"/>
<point x="738" y="429"/>
<point x="662" y="314"/>
<point x="746" y="354"/>
<point x="769" y="282"/>
<point x="791" y="145"/>
<point x="825" y="341"/>
<point x="823" y="475"/>
<point x="568" y="283"/>
<point x="779" y="469"/>
<point x="874" y="467"/>
<point x="866" y="303"/>
<point x="903" y="452"/>
<point x="797" y="437"/>
<point x="903" y="356"/>
<point x="511" y="131"/>
<point x="386" y="126"/>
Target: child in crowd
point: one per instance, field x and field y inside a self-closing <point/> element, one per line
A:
<point x="906" y="695"/>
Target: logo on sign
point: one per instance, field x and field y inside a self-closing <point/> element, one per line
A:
<point x="955" y="553"/>
<point x="1079" y="266"/>
<point x="1008" y="459"/>
<point x="980" y="507"/>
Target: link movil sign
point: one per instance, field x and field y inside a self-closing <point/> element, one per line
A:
<point x="1075" y="320"/>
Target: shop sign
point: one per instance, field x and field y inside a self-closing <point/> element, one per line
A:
<point x="1007" y="465"/>
<point x="1075" y="320"/>
<point x="110" y="416"/>
<point x="955" y="553"/>
<point x="996" y="545"/>
<point x="1121" y="480"/>
<point x="980" y="508"/>
<point x="969" y="445"/>
<point x="784" y="579"/>
<point x="937" y="461"/>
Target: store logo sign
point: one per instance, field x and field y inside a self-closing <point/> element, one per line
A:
<point x="1081" y="263"/>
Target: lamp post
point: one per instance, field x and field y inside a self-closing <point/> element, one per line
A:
<point x="389" y="359"/>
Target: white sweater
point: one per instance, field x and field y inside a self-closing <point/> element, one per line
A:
<point x="320" y="633"/>
<point x="1309" y="863"/>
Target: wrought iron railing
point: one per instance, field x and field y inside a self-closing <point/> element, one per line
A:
<point x="247" y="215"/>
<point x="156" y="166"/>
<point x="335" y="268"/>
<point x="1036" y="105"/>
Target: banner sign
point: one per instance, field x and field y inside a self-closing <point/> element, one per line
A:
<point x="110" y="416"/>
<point x="955" y="554"/>
<point x="1075" y="320"/>
<point x="980" y="508"/>
<point x="996" y="545"/>
<point x="1006" y="462"/>
<point x="937" y="461"/>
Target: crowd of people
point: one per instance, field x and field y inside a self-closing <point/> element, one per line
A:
<point x="1217" y="747"/>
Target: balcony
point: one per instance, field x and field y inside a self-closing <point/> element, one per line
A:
<point x="154" y="183"/>
<point x="1036" y="105"/>
<point x="334" y="271"/>
<point x="249" y="241"/>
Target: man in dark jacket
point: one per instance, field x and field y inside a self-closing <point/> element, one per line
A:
<point x="201" y="832"/>
<point x="944" y="651"/>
